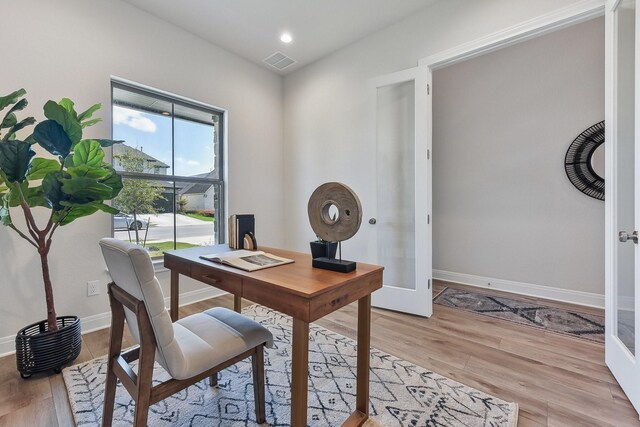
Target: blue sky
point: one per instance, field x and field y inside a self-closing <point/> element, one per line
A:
<point x="151" y="133"/>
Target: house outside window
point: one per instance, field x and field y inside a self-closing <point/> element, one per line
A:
<point x="171" y="162"/>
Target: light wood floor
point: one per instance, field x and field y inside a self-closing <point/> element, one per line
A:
<point x="556" y="380"/>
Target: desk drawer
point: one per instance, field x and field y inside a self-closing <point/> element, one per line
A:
<point x="218" y="279"/>
<point x="344" y="295"/>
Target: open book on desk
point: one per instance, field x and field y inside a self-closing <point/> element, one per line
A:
<point x="247" y="260"/>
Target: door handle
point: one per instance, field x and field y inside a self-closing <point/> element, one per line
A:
<point x="623" y="236"/>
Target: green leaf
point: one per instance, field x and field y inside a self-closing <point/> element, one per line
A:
<point x="88" y="152"/>
<point x="68" y="216"/>
<point x="64" y="118"/>
<point x="108" y="209"/>
<point x="3" y="187"/>
<point x="86" y="114"/>
<point x="99" y="205"/>
<point x="83" y="189"/>
<point x="20" y="105"/>
<point x="9" y="121"/>
<point x="15" y="157"/>
<point x="91" y="122"/>
<point x="35" y="197"/>
<point x="40" y="167"/>
<point x="12" y="98"/>
<point x="88" y="172"/>
<point x="114" y="181"/>
<point x="52" y="137"/>
<point x="11" y="133"/>
<point x="108" y="142"/>
<point x="10" y="118"/>
<point x="14" y="194"/>
<point x="67" y="104"/>
<point x="5" y="214"/>
<point x="52" y="190"/>
<point x="68" y="162"/>
<point x="76" y="211"/>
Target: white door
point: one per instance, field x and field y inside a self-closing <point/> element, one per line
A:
<point x="622" y="198"/>
<point x="400" y="224"/>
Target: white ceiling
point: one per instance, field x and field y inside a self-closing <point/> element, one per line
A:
<point x="252" y="28"/>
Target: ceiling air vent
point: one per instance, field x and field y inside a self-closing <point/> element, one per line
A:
<point x="278" y="60"/>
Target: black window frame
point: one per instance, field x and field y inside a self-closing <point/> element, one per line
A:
<point x="219" y="183"/>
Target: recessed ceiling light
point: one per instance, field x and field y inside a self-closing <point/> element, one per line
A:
<point x="166" y="113"/>
<point x="286" y="38"/>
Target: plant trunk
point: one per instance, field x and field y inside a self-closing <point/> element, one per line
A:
<point x="48" y="291"/>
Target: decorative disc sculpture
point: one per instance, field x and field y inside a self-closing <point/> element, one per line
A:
<point x="578" y="162"/>
<point x="335" y="214"/>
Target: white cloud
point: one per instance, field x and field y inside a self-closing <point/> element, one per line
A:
<point x="185" y="162"/>
<point x="134" y="119"/>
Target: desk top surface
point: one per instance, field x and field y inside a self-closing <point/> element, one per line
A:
<point x="299" y="277"/>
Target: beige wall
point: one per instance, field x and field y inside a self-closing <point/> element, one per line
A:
<point x="503" y="206"/>
<point x="71" y="48"/>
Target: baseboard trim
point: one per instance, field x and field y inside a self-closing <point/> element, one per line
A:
<point x="7" y="345"/>
<point x="102" y="320"/>
<point x="529" y="289"/>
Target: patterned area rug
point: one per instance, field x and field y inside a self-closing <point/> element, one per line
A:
<point x="581" y="325"/>
<point x="402" y="394"/>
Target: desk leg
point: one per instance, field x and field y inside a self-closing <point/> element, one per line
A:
<point x="237" y="303"/>
<point x="299" y="373"/>
<point x="175" y="282"/>
<point x="364" y="342"/>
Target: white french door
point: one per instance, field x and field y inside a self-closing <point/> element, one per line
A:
<point x="400" y="225"/>
<point x="622" y="196"/>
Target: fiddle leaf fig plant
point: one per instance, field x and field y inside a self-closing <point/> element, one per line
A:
<point x="74" y="183"/>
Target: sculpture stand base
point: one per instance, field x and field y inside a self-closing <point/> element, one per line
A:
<point x="339" y="265"/>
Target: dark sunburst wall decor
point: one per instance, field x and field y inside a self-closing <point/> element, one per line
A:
<point x="578" y="162"/>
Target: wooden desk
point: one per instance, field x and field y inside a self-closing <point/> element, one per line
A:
<point x="300" y="291"/>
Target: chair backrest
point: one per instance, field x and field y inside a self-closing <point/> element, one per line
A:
<point x="131" y="269"/>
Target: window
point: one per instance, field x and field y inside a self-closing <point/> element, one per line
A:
<point x="171" y="163"/>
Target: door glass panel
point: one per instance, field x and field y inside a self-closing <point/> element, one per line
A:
<point x="396" y="183"/>
<point x="625" y="141"/>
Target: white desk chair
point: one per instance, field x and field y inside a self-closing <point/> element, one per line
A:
<point x="191" y="349"/>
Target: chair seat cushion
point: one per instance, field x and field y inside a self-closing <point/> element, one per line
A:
<point x="212" y="337"/>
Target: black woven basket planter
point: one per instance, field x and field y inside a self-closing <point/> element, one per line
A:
<point x="38" y="350"/>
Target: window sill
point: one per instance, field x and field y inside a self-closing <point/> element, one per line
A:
<point x="158" y="265"/>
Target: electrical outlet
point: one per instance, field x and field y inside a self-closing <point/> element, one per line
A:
<point x="93" y="288"/>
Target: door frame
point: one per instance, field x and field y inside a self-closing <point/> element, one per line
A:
<point x="576" y="13"/>
<point x="617" y="357"/>
<point x="568" y="16"/>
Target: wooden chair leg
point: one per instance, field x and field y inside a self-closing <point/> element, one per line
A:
<point x="109" y="396"/>
<point x="115" y="346"/>
<point x="144" y="382"/>
<point x="213" y="380"/>
<point x="257" y="360"/>
<point x="144" y="385"/>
